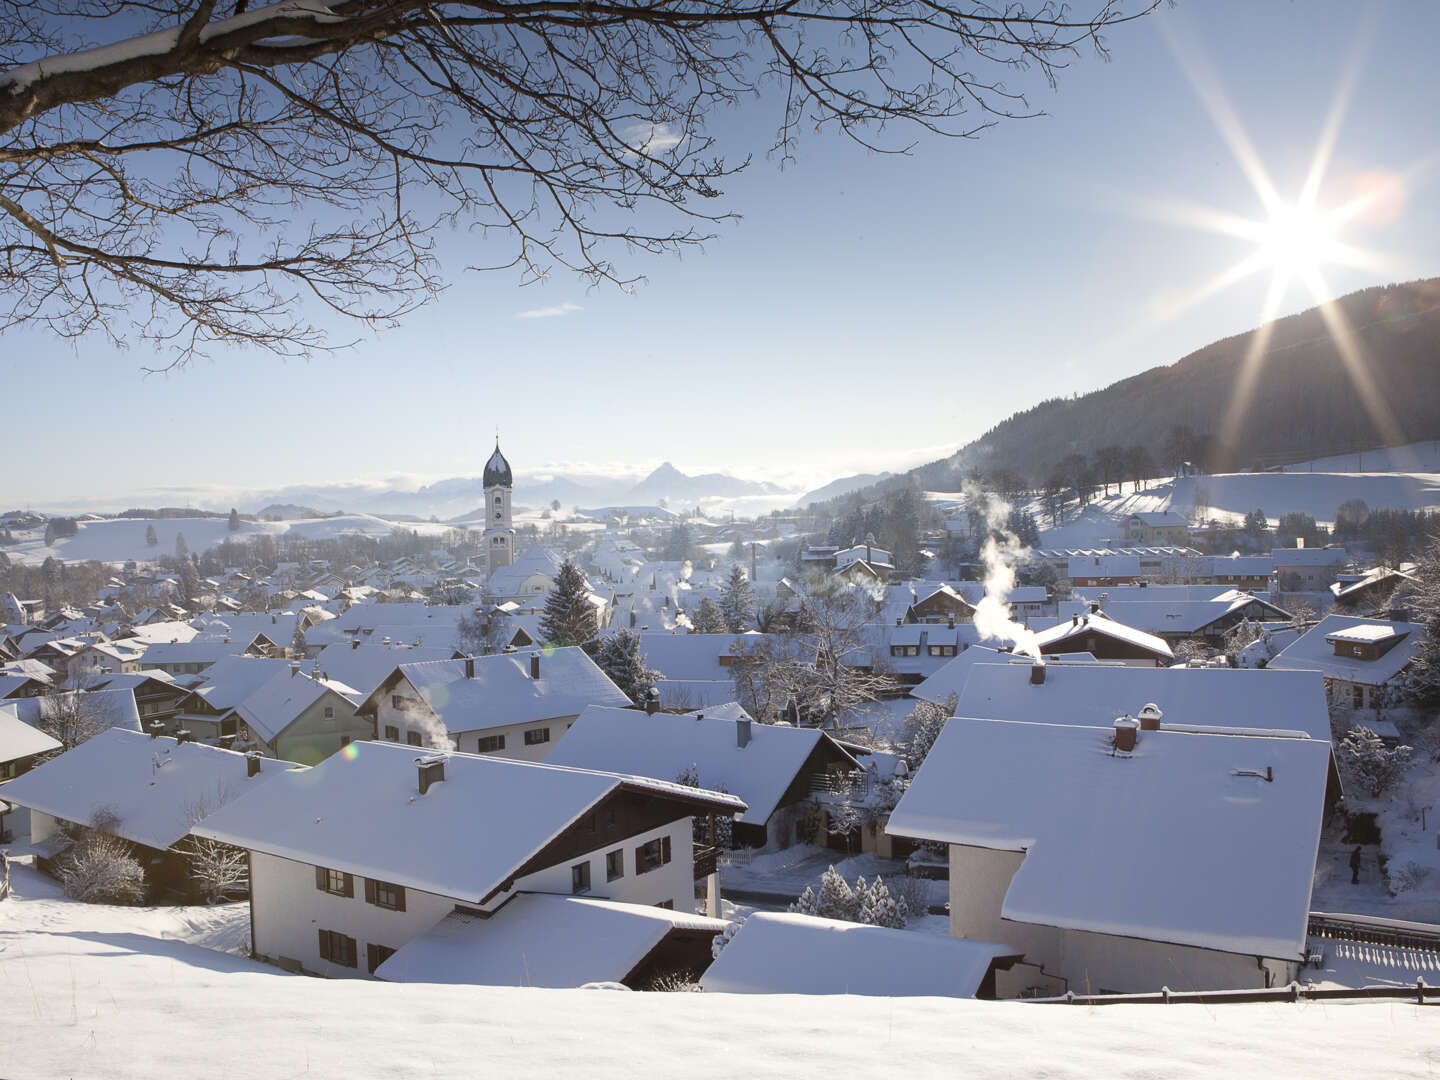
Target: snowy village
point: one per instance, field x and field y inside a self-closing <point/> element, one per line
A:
<point x="728" y="539"/>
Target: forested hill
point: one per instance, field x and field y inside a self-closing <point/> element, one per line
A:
<point x="1303" y="405"/>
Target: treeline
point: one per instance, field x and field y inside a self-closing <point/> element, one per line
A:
<point x="170" y="512"/>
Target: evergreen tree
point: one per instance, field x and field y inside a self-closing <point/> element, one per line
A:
<point x="569" y="617"/>
<point x="807" y="903"/>
<point x="879" y="908"/>
<point x="1422" y="599"/>
<point x="182" y="549"/>
<point x="49" y="533"/>
<point x="836" y="899"/>
<point x="234" y="520"/>
<point x="619" y="656"/>
<point x="737" y="602"/>
<point x="150" y="537"/>
<point x="189" y="581"/>
<point x="708" y="619"/>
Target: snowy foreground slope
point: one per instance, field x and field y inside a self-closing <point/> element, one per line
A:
<point x="88" y="991"/>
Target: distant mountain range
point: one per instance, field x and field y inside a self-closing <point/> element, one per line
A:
<point x="461" y="498"/>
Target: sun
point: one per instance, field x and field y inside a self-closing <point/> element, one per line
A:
<point x="1298" y="242"/>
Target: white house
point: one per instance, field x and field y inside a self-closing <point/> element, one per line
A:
<point x="1125" y="860"/>
<point x="371" y="849"/>
<point x="512" y="704"/>
<point x="1359" y="658"/>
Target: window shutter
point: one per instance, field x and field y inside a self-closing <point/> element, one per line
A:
<point x="322" y="878"/>
<point x="324" y="945"/>
<point x="349" y="885"/>
<point x="640" y="859"/>
<point x="665" y="850"/>
<point x="369" y="891"/>
<point x="399" y="897"/>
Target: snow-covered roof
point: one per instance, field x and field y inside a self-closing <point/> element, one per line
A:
<point x="1314" y="650"/>
<point x="18" y="739"/>
<point x="1095" y="694"/>
<point x="274" y="705"/>
<point x="1161" y="517"/>
<point x="1095" y="623"/>
<point x="783" y="953"/>
<point x="1085" y="566"/>
<point x="1366" y="633"/>
<point x="1197" y="839"/>
<point x="1309" y="557"/>
<point x="1176" y="616"/>
<point x="233" y="679"/>
<point x="1344" y="589"/>
<point x="501" y="692"/>
<point x="464" y="838"/>
<point x="694" y="657"/>
<point x="365" y="665"/>
<point x="102" y="708"/>
<point x="507" y="580"/>
<point x="154" y="787"/>
<point x="537" y="939"/>
<point x="663" y="745"/>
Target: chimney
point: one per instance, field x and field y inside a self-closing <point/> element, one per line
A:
<point x="355" y="643"/>
<point x="273" y="619"/>
<point x="1150" y="717"/>
<point x="432" y="771"/>
<point x="1037" y="674"/>
<point x="950" y="622"/>
<point x="294" y="669"/>
<point x="183" y="736"/>
<point x="252" y="763"/>
<point x="469" y="667"/>
<point x="742" y="733"/>
<point x="1125" y="729"/>
<point x="1094" y="607"/>
<point x="899" y="620"/>
<point x="652" y="702"/>
<point x="699" y="716"/>
<point x="535" y="666"/>
<point x="156" y="727"/>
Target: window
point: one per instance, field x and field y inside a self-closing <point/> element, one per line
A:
<point x="653" y="855"/>
<point x="942" y="650"/>
<point x="580" y="878"/>
<point x="376" y="955"/>
<point x="344" y="740"/>
<point x="485" y="744"/>
<point x="337" y="948"/>
<point x="1357" y="697"/>
<point x="614" y="864"/>
<point x="668" y="905"/>
<point x="904" y="650"/>
<point x="396" y="701"/>
<point x="385" y="895"/>
<point x="536" y="736"/>
<point x="335" y="882"/>
<point x="392" y="733"/>
<point x="413" y="738"/>
<point x="329" y="712"/>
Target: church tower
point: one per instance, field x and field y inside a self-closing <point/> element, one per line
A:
<point x="499" y="538"/>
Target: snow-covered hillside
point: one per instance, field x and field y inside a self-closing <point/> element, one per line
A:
<point x="120" y="539"/>
<point x="92" y="991"/>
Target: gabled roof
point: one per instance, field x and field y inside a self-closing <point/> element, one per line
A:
<point x="1096" y="694"/>
<point x="1155" y="518"/>
<point x="501" y="692"/>
<point x="1099" y="624"/>
<point x="1314" y="650"/>
<point x="663" y="745"/>
<point x="538" y="939"/>
<point x="275" y="704"/>
<point x="154" y="787"/>
<point x="365" y="665"/>
<point x="19" y="740"/>
<point x="1187" y="840"/>
<point x="234" y="678"/>
<point x="1176" y="616"/>
<point x="775" y="953"/>
<point x="464" y="838"/>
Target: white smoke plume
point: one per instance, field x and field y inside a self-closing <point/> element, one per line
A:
<point x="1000" y="557"/>
<point x="437" y="736"/>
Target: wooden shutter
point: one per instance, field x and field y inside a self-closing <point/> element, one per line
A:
<point x="369" y="891"/>
<point x="349" y="885"/>
<point x="324" y="944"/>
<point x="322" y="879"/>
<point x="640" y="859"/>
<point x="399" y="897"/>
<point x="664" y="850"/>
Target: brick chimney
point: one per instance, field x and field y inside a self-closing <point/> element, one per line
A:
<point x="742" y="732"/>
<point x="1037" y="674"/>
<point x="252" y="763"/>
<point x="1150" y="717"/>
<point x="432" y="771"/>
<point x="652" y="702"/>
<point x="469" y="667"/>
<point x="1125" y="732"/>
<point x="535" y="666"/>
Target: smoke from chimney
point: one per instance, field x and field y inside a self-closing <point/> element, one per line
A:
<point x="1000" y="557"/>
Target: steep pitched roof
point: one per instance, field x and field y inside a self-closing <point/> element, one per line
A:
<point x="1099" y="624"/>
<point x="19" y="740"/>
<point x="464" y="838"/>
<point x="664" y="744"/>
<point x="154" y="787"/>
<point x="1314" y="650"/>
<point x="1188" y="839"/>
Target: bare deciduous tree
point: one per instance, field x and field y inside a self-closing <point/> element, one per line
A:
<point x="207" y="167"/>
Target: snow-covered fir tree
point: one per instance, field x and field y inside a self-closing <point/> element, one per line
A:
<point x="707" y="618"/>
<point x="569" y="617"/>
<point x="737" y="601"/>
<point x="836" y="899"/>
<point x="880" y="908"/>
<point x="619" y="656"/>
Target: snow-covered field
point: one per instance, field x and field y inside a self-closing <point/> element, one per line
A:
<point x="89" y="991"/>
<point x="119" y="539"/>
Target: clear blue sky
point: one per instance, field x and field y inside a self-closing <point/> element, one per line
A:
<point x="868" y="312"/>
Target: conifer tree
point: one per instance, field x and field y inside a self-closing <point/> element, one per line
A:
<point x="569" y="618"/>
<point x="182" y="549"/>
<point x="234" y="520"/>
<point x="836" y="899"/>
<point x="708" y="619"/>
<point x="151" y="538"/>
<point x="619" y="656"/>
<point x="737" y="602"/>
